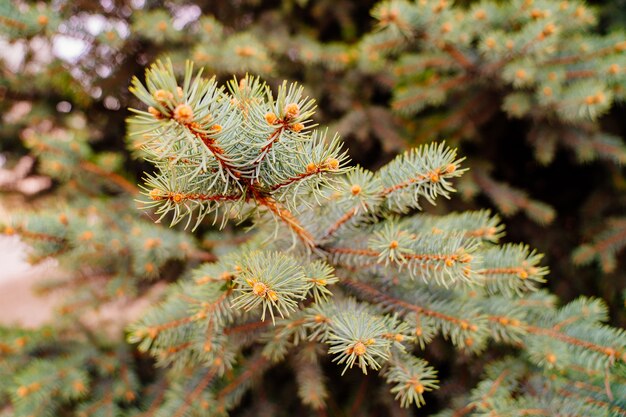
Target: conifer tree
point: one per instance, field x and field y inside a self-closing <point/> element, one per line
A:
<point x="296" y="280"/>
<point x="341" y="269"/>
<point x="536" y="61"/>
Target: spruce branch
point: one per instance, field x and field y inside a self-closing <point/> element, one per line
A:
<point x="195" y="131"/>
<point x="412" y="377"/>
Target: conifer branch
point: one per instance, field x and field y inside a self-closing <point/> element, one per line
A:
<point x="252" y="367"/>
<point x="117" y="179"/>
<point x="375" y="294"/>
<point x="192" y="395"/>
<point x="288" y="219"/>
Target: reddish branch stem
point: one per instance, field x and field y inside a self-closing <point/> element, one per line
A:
<point x="288" y="218"/>
<point x="117" y="179"/>
<point x="252" y="367"/>
<point x="196" y="392"/>
<point x="380" y="296"/>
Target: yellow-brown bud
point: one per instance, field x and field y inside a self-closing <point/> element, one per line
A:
<point x="245" y="51"/>
<point x="419" y="388"/>
<point x="270" y="118"/>
<point x="22" y="391"/>
<point x="311" y="168"/>
<point x="155" y="194"/>
<point x="549" y="29"/>
<point x="162" y="95"/>
<point x="536" y="14"/>
<point x="332" y="163"/>
<point x="359" y="349"/>
<point x="259" y="288"/>
<point x="547" y="91"/>
<point x="183" y="113"/>
<point x="152" y="243"/>
<point x="154" y="112"/>
<point x="292" y="110"/>
<point x="78" y="386"/>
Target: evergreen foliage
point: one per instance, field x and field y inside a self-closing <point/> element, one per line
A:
<point x="296" y="280"/>
<point x="338" y="266"/>
<point x="533" y="60"/>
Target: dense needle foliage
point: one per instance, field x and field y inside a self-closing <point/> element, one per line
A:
<point x="283" y="276"/>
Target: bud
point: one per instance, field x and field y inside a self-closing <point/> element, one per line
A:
<point x="547" y="91"/>
<point x="259" y="288"/>
<point x="183" y="113"/>
<point x="311" y="168"/>
<point x="359" y="349"/>
<point x="270" y="118"/>
<point x="155" y="194"/>
<point x="332" y="163"/>
<point x="292" y="110"/>
<point x="162" y="95"/>
<point x="154" y="112"/>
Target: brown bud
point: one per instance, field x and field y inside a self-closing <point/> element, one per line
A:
<point x="270" y="118"/>
<point x="259" y="288"/>
<point x="359" y="349"/>
<point x="292" y="110"/>
<point x="183" y="113"/>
